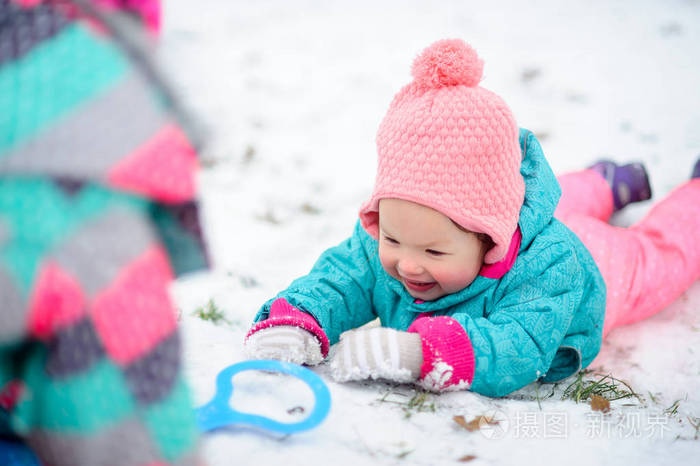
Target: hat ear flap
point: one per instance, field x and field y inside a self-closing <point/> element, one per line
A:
<point x="369" y="219"/>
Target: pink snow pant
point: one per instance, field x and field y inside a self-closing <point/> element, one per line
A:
<point x="646" y="266"/>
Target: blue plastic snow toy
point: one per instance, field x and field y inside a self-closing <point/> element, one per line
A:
<point x="218" y="413"/>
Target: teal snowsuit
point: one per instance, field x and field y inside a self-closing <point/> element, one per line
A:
<point x="542" y="320"/>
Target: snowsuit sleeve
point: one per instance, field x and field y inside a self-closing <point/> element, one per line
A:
<point x="514" y="341"/>
<point x="337" y="292"/>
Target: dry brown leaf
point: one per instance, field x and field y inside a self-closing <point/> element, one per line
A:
<point x="310" y="209"/>
<point x="460" y="420"/>
<point x="467" y="458"/>
<point x="598" y="403"/>
<point x="475" y="424"/>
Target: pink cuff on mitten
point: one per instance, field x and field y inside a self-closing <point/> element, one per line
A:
<point x="283" y="313"/>
<point x="448" y="356"/>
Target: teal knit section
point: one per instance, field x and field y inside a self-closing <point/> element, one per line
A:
<point x="81" y="404"/>
<point x="168" y="421"/>
<point x="52" y="79"/>
<point x="38" y="215"/>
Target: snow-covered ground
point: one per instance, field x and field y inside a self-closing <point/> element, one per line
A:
<point x="292" y="93"/>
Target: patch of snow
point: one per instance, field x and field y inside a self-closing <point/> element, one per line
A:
<point x="437" y="379"/>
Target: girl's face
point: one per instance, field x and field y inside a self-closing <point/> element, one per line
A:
<point x="425" y="250"/>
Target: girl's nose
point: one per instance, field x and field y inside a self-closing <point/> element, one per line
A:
<point x="409" y="267"/>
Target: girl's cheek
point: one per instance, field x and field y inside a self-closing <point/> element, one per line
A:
<point x="455" y="278"/>
<point x="383" y="258"/>
<point x="444" y="277"/>
<point x="386" y="261"/>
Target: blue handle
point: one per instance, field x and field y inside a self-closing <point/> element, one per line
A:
<point x="217" y="413"/>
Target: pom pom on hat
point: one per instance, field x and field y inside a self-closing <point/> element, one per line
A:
<point x="448" y="62"/>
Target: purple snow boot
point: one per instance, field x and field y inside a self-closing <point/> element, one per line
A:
<point x="696" y="169"/>
<point x="629" y="183"/>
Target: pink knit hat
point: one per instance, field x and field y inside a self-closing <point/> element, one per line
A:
<point x="448" y="144"/>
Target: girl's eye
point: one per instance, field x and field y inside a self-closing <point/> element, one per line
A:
<point x="391" y="240"/>
<point x="433" y="252"/>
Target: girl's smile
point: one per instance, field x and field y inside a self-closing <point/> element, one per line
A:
<point x="418" y="286"/>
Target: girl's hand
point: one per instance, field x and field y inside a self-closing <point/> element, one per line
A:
<point x="284" y="343"/>
<point x="377" y="353"/>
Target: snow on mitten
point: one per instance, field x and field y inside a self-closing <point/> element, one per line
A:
<point x="285" y="343"/>
<point x="377" y="353"/>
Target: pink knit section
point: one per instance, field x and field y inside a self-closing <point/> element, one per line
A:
<point x="27" y="3"/>
<point x="283" y="313"/>
<point x="163" y="168"/>
<point x="10" y="394"/>
<point x="135" y="312"/>
<point x="445" y="341"/>
<point x="452" y="147"/>
<point x="149" y="10"/>
<point x="57" y="301"/>
<point x="500" y="268"/>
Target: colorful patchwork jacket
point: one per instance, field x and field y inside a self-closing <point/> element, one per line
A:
<point x="97" y="216"/>
<point x="538" y="314"/>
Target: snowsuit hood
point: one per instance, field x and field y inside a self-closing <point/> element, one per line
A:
<point x="542" y="191"/>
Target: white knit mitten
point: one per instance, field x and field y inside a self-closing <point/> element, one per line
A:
<point x="377" y="353"/>
<point x="284" y="343"/>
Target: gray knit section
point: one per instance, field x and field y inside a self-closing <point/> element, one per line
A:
<point x="97" y="252"/>
<point x="13" y="320"/>
<point x="127" y="443"/>
<point x="91" y="139"/>
<point x="74" y="349"/>
<point x="151" y="378"/>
